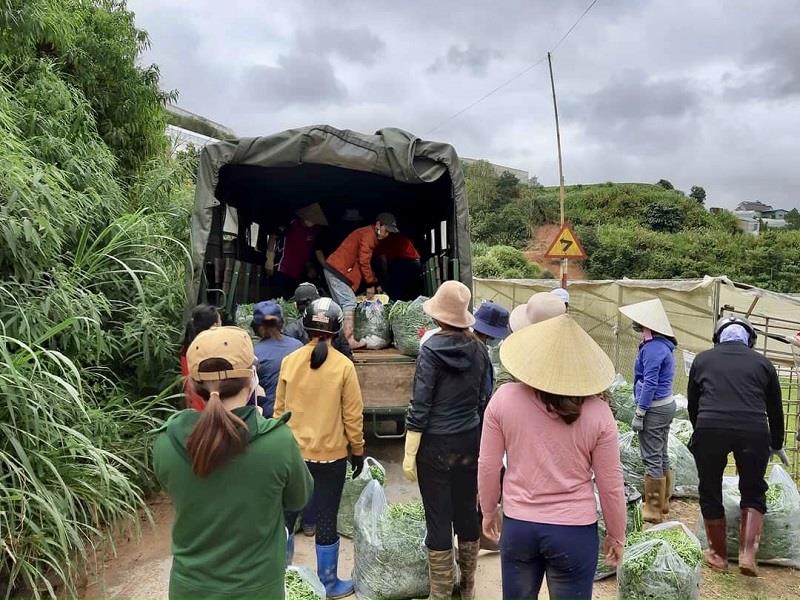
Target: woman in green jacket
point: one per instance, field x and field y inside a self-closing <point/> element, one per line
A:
<point x="231" y="474"/>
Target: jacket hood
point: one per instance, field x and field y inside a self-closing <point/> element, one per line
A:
<point x="180" y="425"/>
<point x="455" y="351"/>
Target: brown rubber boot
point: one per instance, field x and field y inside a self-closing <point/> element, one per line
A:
<point x="442" y="573"/>
<point x="467" y="565"/>
<point x="667" y="493"/>
<point x="653" y="493"/>
<point x="717" y="553"/>
<point x="749" y="536"/>
<point x="349" y="327"/>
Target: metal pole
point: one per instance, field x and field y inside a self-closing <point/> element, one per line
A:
<point x="564" y="262"/>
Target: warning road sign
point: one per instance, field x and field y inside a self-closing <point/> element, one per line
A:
<point x="566" y="245"/>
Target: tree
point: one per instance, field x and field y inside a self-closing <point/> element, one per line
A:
<point x="665" y="184"/>
<point x="663" y="217"/>
<point x="508" y="185"/>
<point x="698" y="194"/>
<point x="792" y="219"/>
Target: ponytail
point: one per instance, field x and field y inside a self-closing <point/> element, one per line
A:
<point x="218" y="435"/>
<point x="320" y="353"/>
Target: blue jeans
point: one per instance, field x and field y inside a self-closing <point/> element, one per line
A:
<point x="567" y="554"/>
<point x="654" y="439"/>
<point x="341" y="292"/>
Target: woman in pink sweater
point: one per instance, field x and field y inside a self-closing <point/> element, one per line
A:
<point x="557" y="434"/>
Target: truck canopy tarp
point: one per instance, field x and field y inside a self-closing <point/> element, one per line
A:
<point x="313" y="160"/>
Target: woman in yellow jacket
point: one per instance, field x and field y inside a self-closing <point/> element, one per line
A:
<point x="319" y="386"/>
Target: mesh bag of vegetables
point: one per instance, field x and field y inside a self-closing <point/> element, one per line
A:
<point x="662" y="562"/>
<point x="633" y="500"/>
<point x="780" y="538"/>
<point x="389" y="547"/>
<point x="681" y="462"/>
<point x="372" y="325"/>
<point x="682" y="429"/>
<point x="345" y="519"/>
<point x="301" y="583"/>
<point x="409" y="323"/>
<point x="681" y="406"/>
<point x="621" y="397"/>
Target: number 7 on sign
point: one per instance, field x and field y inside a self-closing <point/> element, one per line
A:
<point x="566" y="245"/>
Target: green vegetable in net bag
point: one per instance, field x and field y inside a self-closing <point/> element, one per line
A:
<point x="682" y="429"/>
<point x="409" y="323"/>
<point x="681" y="462"/>
<point x="634" y="523"/>
<point x="662" y="562"/>
<point x="780" y="539"/>
<point x="621" y="396"/>
<point x="345" y="519"/>
<point x="302" y="583"/>
<point x="623" y="427"/>
<point x="391" y="561"/>
<point x="372" y="325"/>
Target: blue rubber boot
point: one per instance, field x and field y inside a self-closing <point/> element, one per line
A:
<point x="289" y="549"/>
<point x="327" y="567"/>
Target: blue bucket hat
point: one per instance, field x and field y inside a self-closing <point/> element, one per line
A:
<point x="266" y="310"/>
<point x="492" y="319"/>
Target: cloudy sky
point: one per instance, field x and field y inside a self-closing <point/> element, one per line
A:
<point x="699" y="92"/>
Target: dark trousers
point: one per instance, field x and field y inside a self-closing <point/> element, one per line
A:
<point x="567" y="554"/>
<point x="447" y="470"/>
<point x="328" y="484"/>
<point x="711" y="447"/>
<point x="403" y="279"/>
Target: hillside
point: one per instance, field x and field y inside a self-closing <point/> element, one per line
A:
<point x="634" y="230"/>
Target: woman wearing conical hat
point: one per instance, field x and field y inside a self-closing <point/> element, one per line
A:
<point x="653" y="375"/>
<point x="558" y="434"/>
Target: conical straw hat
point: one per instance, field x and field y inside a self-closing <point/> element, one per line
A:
<point x="559" y="357"/>
<point x="541" y="306"/>
<point x="650" y="314"/>
<point x="313" y="214"/>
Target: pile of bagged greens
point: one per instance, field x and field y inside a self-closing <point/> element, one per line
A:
<point x="661" y="562"/>
<point x="372" y="325"/>
<point x="345" y="519"/>
<point x="780" y="538"/>
<point x="409" y="323"/>
<point x="391" y="561"/>
<point x="301" y="583"/>
<point x="634" y="523"/>
<point x="680" y="459"/>
<point x="621" y="398"/>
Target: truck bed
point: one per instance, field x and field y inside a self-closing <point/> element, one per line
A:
<point x="386" y="377"/>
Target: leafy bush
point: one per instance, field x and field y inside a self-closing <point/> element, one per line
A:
<point x="505" y="262"/>
<point x="94" y="226"/>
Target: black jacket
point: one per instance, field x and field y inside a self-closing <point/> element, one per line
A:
<point x="449" y="394"/>
<point x="296" y="330"/>
<point x="734" y="387"/>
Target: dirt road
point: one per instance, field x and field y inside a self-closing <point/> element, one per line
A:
<point x="140" y="567"/>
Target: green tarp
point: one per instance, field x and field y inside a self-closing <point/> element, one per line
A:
<point x="389" y="152"/>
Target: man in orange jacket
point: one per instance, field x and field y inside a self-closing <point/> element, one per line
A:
<point x="351" y="265"/>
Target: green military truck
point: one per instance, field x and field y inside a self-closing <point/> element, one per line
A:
<point x="248" y="190"/>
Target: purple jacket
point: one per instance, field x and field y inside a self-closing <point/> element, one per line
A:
<point x="654" y="371"/>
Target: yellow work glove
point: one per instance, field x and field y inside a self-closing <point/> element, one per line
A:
<point x="413" y="439"/>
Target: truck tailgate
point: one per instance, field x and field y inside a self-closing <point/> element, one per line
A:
<point x="386" y="377"/>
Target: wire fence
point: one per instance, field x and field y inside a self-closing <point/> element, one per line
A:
<point x="693" y="312"/>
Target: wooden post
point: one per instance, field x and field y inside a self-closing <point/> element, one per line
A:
<point x="564" y="262"/>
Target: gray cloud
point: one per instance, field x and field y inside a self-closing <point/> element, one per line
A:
<point x="700" y="93"/>
<point x="302" y="79"/>
<point x="772" y="69"/>
<point x="473" y="59"/>
<point x="353" y="44"/>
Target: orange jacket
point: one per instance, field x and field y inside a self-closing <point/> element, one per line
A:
<point x="352" y="260"/>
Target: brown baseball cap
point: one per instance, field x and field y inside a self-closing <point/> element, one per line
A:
<point x="229" y="343"/>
